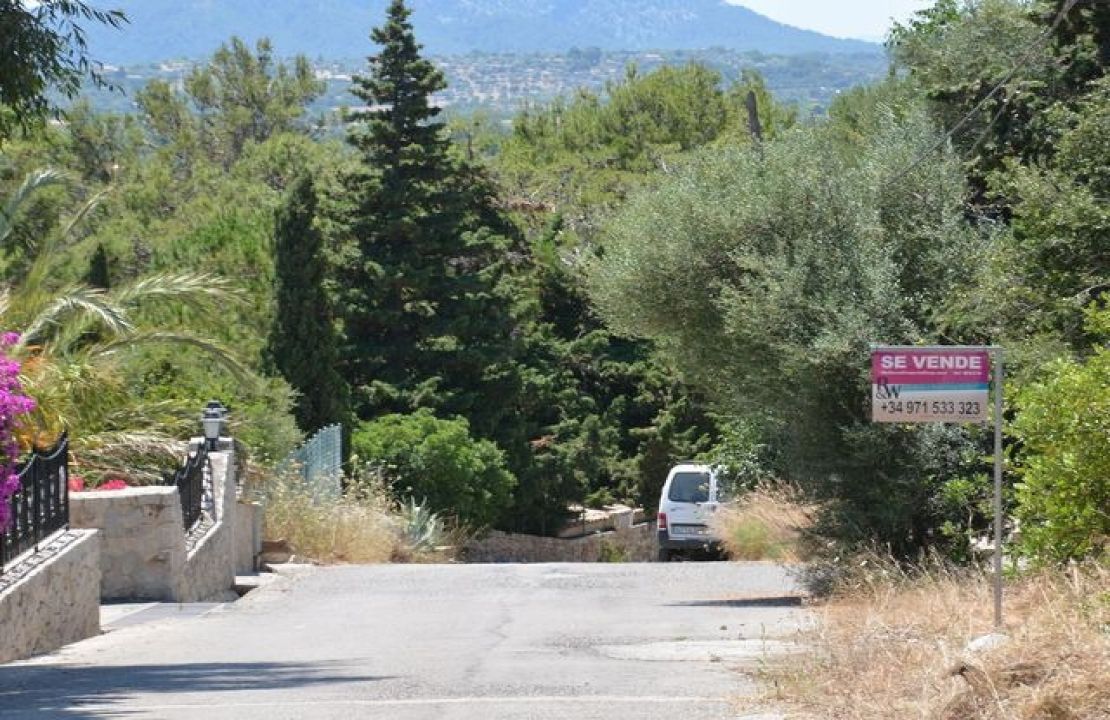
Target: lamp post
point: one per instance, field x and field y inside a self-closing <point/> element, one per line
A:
<point x="214" y="419"/>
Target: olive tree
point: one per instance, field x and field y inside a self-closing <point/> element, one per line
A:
<point x="764" y="277"/>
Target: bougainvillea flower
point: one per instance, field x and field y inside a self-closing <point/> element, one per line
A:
<point x="13" y="403"/>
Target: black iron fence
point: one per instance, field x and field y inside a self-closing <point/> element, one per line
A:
<point x="189" y="480"/>
<point x="40" y="507"/>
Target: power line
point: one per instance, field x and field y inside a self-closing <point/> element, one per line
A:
<point x="1030" y="53"/>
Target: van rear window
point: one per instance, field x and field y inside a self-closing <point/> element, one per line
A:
<point x="689" y="487"/>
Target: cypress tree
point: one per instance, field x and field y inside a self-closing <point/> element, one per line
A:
<point x="99" y="274"/>
<point x="302" y="346"/>
<point x="426" y="322"/>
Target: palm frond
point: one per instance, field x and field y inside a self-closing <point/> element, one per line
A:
<point x="82" y="302"/>
<point x="130" y="444"/>
<point x="74" y="391"/>
<point x="224" y="358"/>
<point x="54" y="247"/>
<point x="172" y="418"/>
<point x="90" y="205"/>
<point x="138" y="456"/>
<point x="177" y="413"/>
<point x="198" y="291"/>
<point x="31" y="184"/>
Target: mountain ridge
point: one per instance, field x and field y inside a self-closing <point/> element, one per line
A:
<point x="167" y="29"/>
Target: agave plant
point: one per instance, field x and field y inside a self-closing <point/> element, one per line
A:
<point x="75" y="342"/>
<point x="422" y="530"/>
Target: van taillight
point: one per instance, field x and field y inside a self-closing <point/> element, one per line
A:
<point x="662" y="521"/>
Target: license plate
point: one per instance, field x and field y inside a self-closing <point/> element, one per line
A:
<point x="691" y="530"/>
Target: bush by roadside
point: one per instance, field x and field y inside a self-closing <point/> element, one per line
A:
<point x="766" y="523"/>
<point x="364" y="525"/>
<point x="1063" y="429"/>
<point x="355" y="528"/>
<point x="439" y="462"/>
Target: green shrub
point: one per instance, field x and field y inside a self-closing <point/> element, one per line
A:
<point x="1063" y="423"/>
<point x="600" y="498"/>
<point x="437" y="463"/>
<point x="611" y="552"/>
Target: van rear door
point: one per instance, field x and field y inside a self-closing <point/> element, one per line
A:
<point x="688" y="505"/>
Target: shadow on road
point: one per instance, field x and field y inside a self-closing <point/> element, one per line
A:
<point x="771" y="602"/>
<point x="80" y="691"/>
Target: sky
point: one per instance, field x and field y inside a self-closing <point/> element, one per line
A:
<point x="864" y="19"/>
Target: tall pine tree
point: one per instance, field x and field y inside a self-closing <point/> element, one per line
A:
<point x="303" y="345"/>
<point x="425" y="319"/>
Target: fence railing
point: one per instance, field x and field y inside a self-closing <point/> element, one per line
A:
<point x="40" y="507"/>
<point x="189" y="479"/>
<point x="320" y="461"/>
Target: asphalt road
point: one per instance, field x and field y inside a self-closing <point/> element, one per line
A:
<point x="417" y="642"/>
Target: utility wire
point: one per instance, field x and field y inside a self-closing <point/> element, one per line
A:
<point x="1033" y="49"/>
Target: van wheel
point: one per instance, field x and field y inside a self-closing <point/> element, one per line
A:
<point x="664" y="555"/>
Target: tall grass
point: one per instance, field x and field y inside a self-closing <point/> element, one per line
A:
<point x="766" y="523"/>
<point x="364" y="525"/>
<point x="358" y="527"/>
<point x="895" y="646"/>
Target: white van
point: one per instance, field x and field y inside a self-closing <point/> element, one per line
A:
<point x="690" y="497"/>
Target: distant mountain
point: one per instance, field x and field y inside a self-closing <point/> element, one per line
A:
<point x="165" y="29"/>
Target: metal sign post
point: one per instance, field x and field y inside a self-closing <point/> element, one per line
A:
<point x="997" y="487"/>
<point x="946" y="384"/>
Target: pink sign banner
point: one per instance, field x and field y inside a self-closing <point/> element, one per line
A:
<point x="911" y="384"/>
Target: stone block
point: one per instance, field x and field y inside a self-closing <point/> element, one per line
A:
<point x="146" y="554"/>
<point x="55" y="603"/>
<point x="634" y="544"/>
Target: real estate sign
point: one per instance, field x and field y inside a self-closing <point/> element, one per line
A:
<point x="933" y="384"/>
<point x="947" y="385"/>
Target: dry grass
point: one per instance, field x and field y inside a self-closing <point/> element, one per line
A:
<point x="364" y="526"/>
<point x="360" y="527"/>
<point x="896" y="648"/>
<point x="765" y="524"/>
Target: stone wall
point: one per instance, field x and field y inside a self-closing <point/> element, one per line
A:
<point x="209" y="572"/>
<point x="145" y="554"/>
<point x="142" y="540"/>
<point x="56" y="601"/>
<point x="248" y="537"/>
<point x="633" y="544"/>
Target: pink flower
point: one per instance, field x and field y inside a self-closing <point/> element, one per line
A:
<point x="76" y="483"/>
<point x="8" y="486"/>
<point x="13" y="403"/>
<point x="115" y="484"/>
